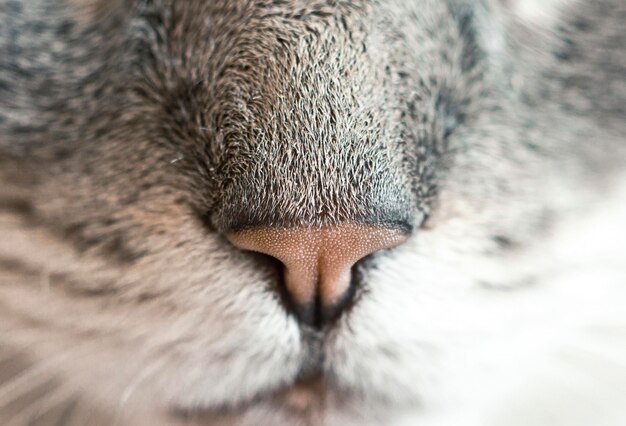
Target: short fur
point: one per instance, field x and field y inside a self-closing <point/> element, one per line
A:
<point x="134" y="134"/>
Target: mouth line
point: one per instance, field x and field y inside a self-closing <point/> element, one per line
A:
<point x="304" y="397"/>
<point x="302" y="393"/>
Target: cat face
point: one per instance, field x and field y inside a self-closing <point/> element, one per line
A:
<point x="166" y="127"/>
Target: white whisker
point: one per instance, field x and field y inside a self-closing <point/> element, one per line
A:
<point x="132" y="386"/>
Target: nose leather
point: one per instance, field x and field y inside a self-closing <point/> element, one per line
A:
<point x="318" y="261"/>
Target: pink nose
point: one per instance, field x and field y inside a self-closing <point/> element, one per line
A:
<point x="318" y="261"/>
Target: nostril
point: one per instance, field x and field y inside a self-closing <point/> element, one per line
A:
<point x="318" y="263"/>
<point x="273" y="266"/>
<point x="307" y="313"/>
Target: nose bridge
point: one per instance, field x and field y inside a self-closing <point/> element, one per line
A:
<point x="318" y="260"/>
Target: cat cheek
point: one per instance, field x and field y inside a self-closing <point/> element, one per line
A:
<point x="449" y="208"/>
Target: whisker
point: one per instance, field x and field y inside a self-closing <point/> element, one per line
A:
<point x="42" y="405"/>
<point x="23" y="382"/>
<point x="143" y="375"/>
<point x="37" y="375"/>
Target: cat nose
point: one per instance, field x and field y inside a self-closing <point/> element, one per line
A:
<point x="318" y="261"/>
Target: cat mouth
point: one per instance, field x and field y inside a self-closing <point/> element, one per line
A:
<point x="308" y="389"/>
<point x="303" y="399"/>
<point x="302" y="396"/>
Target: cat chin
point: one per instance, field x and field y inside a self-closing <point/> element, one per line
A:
<point x="299" y="377"/>
<point x="313" y="400"/>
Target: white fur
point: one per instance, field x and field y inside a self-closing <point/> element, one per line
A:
<point x="541" y="13"/>
<point x="549" y="353"/>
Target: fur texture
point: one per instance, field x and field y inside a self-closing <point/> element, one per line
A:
<point x="134" y="134"/>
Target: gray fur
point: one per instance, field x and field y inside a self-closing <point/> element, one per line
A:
<point x="134" y="134"/>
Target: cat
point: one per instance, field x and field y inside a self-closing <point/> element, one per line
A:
<point x="178" y="180"/>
